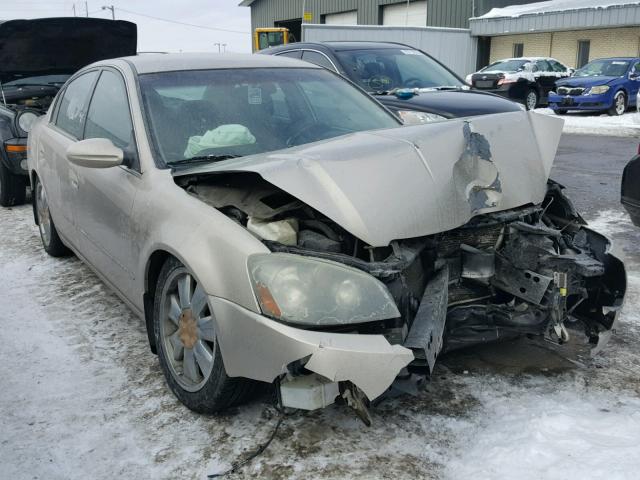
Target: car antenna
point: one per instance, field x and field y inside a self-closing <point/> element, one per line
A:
<point x="4" y="100"/>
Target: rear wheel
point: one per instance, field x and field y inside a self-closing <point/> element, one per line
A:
<point x="619" y="104"/>
<point x="531" y="100"/>
<point x="13" y="188"/>
<point x="48" y="233"/>
<point x="186" y="339"/>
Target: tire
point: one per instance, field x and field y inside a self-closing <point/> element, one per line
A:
<point x="184" y="329"/>
<point x="619" y="104"/>
<point x="531" y="99"/>
<point x="48" y="233"/>
<point x="13" y="188"/>
<point x="561" y="111"/>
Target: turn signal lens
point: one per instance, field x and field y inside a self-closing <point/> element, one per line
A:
<point x="16" y="148"/>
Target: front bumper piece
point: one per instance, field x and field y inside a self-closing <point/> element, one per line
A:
<point x="259" y="348"/>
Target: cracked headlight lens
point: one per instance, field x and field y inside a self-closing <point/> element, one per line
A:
<point x="412" y="117"/>
<point x="599" y="89"/>
<point x="311" y="291"/>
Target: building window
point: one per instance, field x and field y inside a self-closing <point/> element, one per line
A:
<point x="583" y="53"/>
<point x="518" y="50"/>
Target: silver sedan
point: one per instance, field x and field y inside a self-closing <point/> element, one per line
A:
<point x="271" y="222"/>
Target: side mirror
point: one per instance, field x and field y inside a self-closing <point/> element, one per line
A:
<point x="95" y="153"/>
<point x="571" y="71"/>
<point x="634" y="75"/>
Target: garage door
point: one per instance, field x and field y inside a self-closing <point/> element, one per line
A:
<point x="342" y="18"/>
<point x="414" y="15"/>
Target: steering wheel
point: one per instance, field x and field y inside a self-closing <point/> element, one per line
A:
<point x="415" y="80"/>
<point x="379" y="82"/>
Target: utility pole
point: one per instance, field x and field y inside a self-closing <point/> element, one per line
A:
<point x="224" y="48"/>
<point x="74" y="9"/>
<point x="113" y="11"/>
<point x="218" y="44"/>
<point x="86" y="9"/>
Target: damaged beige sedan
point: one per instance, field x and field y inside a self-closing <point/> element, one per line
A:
<point x="273" y="223"/>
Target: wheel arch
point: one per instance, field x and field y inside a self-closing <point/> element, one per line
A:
<point x="154" y="265"/>
<point x="33" y="177"/>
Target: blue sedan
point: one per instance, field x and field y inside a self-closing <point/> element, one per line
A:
<point x="604" y="85"/>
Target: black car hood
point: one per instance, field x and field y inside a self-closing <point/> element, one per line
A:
<point x="52" y="46"/>
<point x="451" y="104"/>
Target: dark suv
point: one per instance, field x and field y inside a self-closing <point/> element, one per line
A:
<point x="36" y="58"/>
<point x="412" y="84"/>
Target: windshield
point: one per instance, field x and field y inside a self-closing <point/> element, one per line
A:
<point x="603" y="68"/>
<point x="209" y="115"/>
<point x="506" y="66"/>
<point x="388" y="68"/>
<point x="54" y="80"/>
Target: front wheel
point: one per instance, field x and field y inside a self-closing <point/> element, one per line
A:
<point x="619" y="104"/>
<point x="531" y="100"/>
<point x="13" y="188"/>
<point x="48" y="233"/>
<point x="186" y="338"/>
<point x="561" y="111"/>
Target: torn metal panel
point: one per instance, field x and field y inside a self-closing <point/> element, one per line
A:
<point x="426" y="332"/>
<point x="256" y="347"/>
<point x="443" y="171"/>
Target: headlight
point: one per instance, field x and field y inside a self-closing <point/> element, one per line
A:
<point x="412" y="117"/>
<point x="25" y="119"/>
<point x="599" y="89"/>
<point x="306" y="291"/>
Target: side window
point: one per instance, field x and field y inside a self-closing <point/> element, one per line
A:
<point x="543" y="66"/>
<point x="557" y="66"/>
<point x="317" y="59"/>
<point x="293" y="54"/>
<point x="73" y="106"/>
<point x="636" y="68"/>
<point x="109" y="115"/>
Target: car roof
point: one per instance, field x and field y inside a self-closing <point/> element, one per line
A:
<point x="171" y="62"/>
<point x="525" y="59"/>
<point x="343" y="45"/>
<point x="614" y="58"/>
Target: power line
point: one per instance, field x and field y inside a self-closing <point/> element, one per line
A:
<point x="182" y="23"/>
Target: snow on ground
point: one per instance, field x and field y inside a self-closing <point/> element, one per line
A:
<point x="81" y="396"/>
<point x="626" y="125"/>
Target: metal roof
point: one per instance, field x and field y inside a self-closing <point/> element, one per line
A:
<point x="575" y="15"/>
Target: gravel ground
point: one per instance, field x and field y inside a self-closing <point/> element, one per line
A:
<point x="83" y="397"/>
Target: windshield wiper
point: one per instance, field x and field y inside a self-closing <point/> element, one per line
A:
<point x="187" y="162"/>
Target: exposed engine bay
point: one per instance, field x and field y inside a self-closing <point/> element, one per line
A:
<point x="38" y="99"/>
<point x="530" y="270"/>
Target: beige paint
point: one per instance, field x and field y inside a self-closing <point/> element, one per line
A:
<point x="563" y="46"/>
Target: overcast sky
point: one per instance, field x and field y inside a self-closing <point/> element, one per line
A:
<point x="156" y="35"/>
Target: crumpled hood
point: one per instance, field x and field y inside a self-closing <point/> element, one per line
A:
<point x="52" y="46"/>
<point x="415" y="181"/>
<point x="585" y="82"/>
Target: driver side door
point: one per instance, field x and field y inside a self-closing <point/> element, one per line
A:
<point x="106" y="195"/>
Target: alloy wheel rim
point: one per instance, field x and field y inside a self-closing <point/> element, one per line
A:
<point x="620" y="104"/>
<point x="187" y="330"/>
<point x="44" y="215"/>
<point x="531" y="100"/>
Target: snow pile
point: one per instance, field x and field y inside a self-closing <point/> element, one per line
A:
<point x="536" y="431"/>
<point x="553" y="6"/>
<point x="627" y="125"/>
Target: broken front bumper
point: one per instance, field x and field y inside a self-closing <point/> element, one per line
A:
<point x="259" y="348"/>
